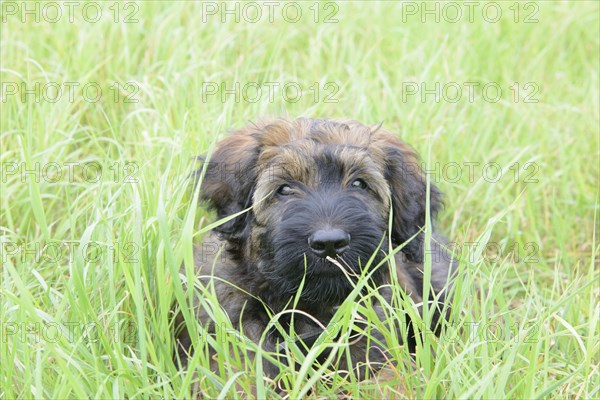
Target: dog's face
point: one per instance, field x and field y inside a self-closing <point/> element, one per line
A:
<point x="318" y="201"/>
<point x="318" y="191"/>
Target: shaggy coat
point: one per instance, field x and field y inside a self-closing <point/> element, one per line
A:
<point x="318" y="196"/>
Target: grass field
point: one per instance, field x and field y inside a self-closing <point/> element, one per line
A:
<point x="101" y="120"/>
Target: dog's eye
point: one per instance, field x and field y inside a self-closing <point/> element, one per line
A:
<point x="359" y="184"/>
<point x="285" y="190"/>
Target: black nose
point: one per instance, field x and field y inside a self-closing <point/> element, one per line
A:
<point x="329" y="242"/>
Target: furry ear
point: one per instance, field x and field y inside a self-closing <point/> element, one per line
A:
<point x="229" y="179"/>
<point x="408" y="187"/>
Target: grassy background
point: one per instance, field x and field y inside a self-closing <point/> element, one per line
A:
<point x="77" y="324"/>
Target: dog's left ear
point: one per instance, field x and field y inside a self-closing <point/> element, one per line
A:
<point x="408" y="186"/>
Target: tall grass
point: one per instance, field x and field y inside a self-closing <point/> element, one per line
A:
<point x="90" y="263"/>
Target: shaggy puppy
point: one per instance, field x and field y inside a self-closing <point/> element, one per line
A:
<point x="320" y="196"/>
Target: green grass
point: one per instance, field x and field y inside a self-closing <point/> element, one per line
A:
<point x="526" y="316"/>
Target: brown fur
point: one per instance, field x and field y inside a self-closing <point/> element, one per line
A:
<point x="320" y="159"/>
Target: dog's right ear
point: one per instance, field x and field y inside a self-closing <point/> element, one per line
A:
<point x="229" y="179"/>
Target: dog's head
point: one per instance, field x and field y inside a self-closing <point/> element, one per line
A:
<point x="317" y="189"/>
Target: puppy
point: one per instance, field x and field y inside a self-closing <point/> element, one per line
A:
<point x="309" y="205"/>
